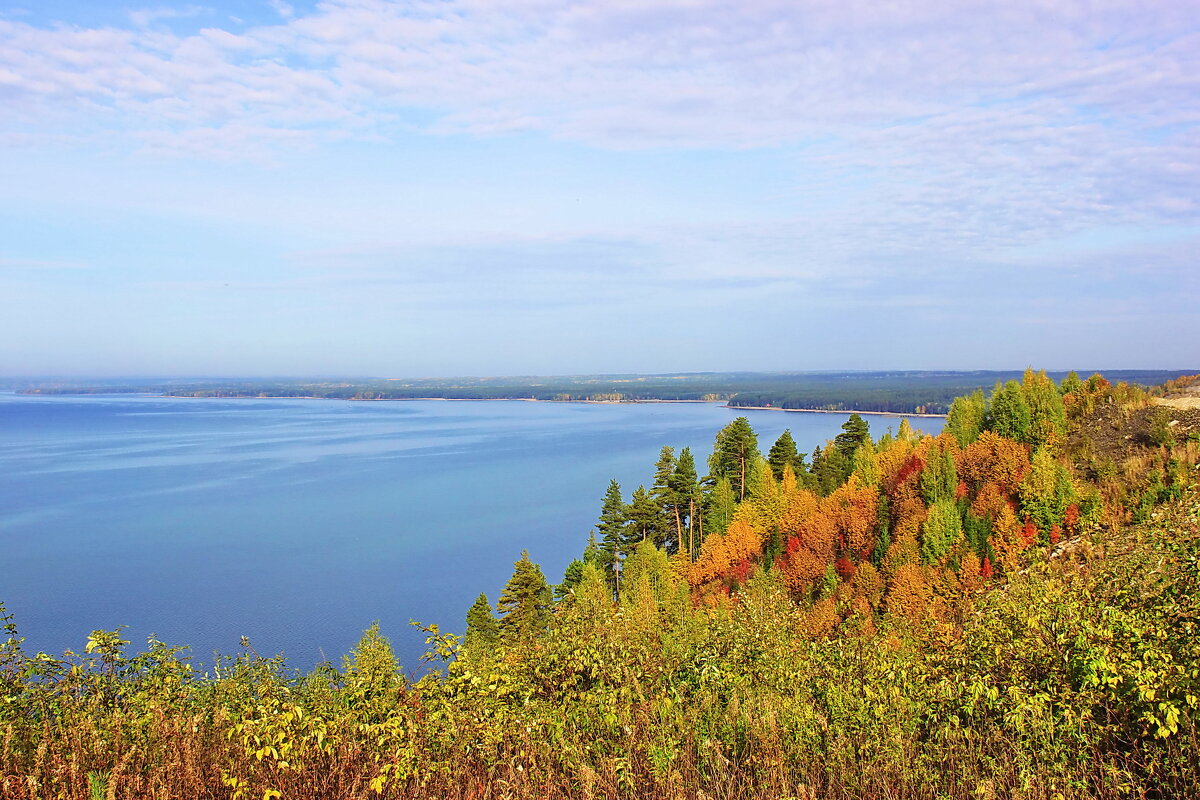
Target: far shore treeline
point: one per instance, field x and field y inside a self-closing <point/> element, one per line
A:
<point x="1010" y="608"/>
<point x="901" y="392"/>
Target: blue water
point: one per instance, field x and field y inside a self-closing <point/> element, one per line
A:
<point x="299" y="522"/>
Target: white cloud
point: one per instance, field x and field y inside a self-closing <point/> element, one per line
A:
<point x="941" y="128"/>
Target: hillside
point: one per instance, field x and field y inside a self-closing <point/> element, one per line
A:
<point x="1009" y="609"/>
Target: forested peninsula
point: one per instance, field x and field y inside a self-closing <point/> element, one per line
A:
<point x="898" y="392"/>
<point x="1007" y="609"/>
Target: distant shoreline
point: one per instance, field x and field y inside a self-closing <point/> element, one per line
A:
<point x="842" y="411"/>
<point x="725" y="404"/>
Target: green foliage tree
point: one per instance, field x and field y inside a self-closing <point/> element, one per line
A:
<point x="720" y="506"/>
<point x="966" y="418"/>
<point x="1047" y="416"/>
<point x="1047" y="490"/>
<point x="1008" y="412"/>
<point x="371" y="667"/>
<point x="939" y="478"/>
<point x="830" y="470"/>
<point x="646" y="562"/>
<point x="483" y="630"/>
<point x="524" y="603"/>
<point x="1071" y="384"/>
<point x="734" y="451"/>
<point x="855" y="433"/>
<point x="611" y="527"/>
<point x="686" y="490"/>
<point x="571" y="577"/>
<point x="784" y="452"/>
<point x="941" y="531"/>
<point x="644" y="522"/>
<point x="668" y="499"/>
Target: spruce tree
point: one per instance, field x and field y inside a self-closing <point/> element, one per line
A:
<point x="611" y="527"/>
<point x="524" y="603"/>
<point x="483" y="630"/>
<point x="784" y="452"/>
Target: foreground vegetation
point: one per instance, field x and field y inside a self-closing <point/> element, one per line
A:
<point x="1009" y="609"/>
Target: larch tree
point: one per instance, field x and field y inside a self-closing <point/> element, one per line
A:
<point x="1008" y="412"/>
<point x="966" y="417"/>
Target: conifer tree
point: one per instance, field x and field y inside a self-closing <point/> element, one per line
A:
<point x="668" y="499"/>
<point x="1071" y="384"/>
<point x="1008" y="412"/>
<point x="571" y="577"/>
<point x="371" y="666"/>
<point x="686" y="490"/>
<point x="783" y="453"/>
<point x="643" y="522"/>
<point x="524" y="603"/>
<point x="966" y="417"/>
<point x="734" y="450"/>
<point x="611" y="527"/>
<point x="855" y="433"/>
<point x="483" y="630"/>
<point x="830" y="471"/>
<point x="721" y="503"/>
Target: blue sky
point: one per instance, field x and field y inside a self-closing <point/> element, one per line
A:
<point x="368" y="187"/>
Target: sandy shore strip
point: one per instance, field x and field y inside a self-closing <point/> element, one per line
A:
<point x="843" y="411"/>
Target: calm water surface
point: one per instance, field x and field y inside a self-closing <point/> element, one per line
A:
<point x="299" y="522"/>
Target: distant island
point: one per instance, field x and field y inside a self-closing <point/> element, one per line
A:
<point x="896" y="392"/>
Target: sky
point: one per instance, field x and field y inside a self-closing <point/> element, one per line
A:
<point x="469" y="187"/>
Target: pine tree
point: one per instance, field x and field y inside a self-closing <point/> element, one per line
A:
<point x="668" y="500"/>
<point x="524" y="603"/>
<point x="483" y="631"/>
<point x="644" y="522"/>
<point x="830" y="471"/>
<point x="734" y="450"/>
<point x="571" y="577"/>
<point x="687" y="500"/>
<point x="855" y="433"/>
